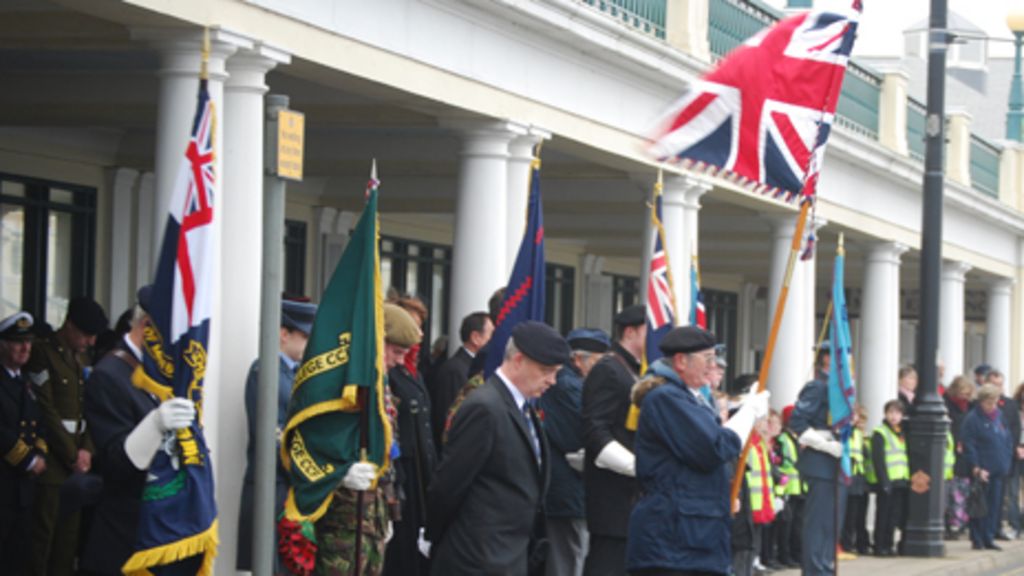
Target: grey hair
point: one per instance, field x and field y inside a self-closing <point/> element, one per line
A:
<point x="510" y="349"/>
<point x="138" y="314"/>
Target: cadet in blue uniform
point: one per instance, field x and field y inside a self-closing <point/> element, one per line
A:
<point x="296" y="324"/>
<point x="562" y="407"/>
<point x="681" y="523"/>
<point x="818" y="465"/>
<point x="22" y="447"/>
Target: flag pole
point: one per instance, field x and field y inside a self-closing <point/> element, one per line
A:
<point x="769" y="352"/>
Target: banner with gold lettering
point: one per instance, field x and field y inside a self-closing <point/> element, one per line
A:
<point x="340" y="381"/>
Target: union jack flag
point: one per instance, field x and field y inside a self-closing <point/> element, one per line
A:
<point x="661" y="304"/>
<point x="764" y="114"/>
<point x="698" y="314"/>
<point x="177" y="529"/>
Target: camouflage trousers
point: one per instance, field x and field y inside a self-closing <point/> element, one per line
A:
<point x="336" y="535"/>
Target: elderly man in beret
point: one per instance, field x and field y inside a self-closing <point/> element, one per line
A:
<point x="487" y="495"/>
<point x="21" y="443"/>
<point x="609" y="473"/>
<point x="562" y="408"/>
<point x="684" y="456"/>
<point x="58" y="367"/>
<point x="336" y="529"/>
<point x="296" y="324"/>
<point x="128" y="426"/>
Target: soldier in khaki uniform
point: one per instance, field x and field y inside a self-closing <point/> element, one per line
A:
<point x="335" y="531"/>
<point x="57" y="369"/>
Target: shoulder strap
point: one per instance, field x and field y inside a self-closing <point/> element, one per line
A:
<point x="125" y="357"/>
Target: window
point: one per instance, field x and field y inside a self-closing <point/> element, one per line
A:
<point x="559" y="296"/>
<point x="47" y="246"/>
<point x="625" y="292"/>
<point x="722" y="311"/>
<point x="419" y="269"/>
<point x="295" y="257"/>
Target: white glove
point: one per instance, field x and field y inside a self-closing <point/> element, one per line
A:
<point x="742" y="422"/>
<point x="758" y="402"/>
<point x="822" y="441"/>
<point x="144" y="440"/>
<point x="576" y="459"/>
<point x="389" y="531"/>
<point x="617" y="458"/>
<point x="423" y="544"/>
<point x="779" y="505"/>
<point x="360" y="476"/>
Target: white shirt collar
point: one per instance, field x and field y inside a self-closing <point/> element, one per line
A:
<point x="131" y="346"/>
<point x="471" y="355"/>
<point x="516" y="394"/>
<point x="13" y="373"/>
<point x="291" y="364"/>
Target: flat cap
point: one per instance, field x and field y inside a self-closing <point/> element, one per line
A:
<point x="17" y="327"/>
<point x="297" y="315"/>
<point x="982" y="369"/>
<point x="631" y="316"/>
<point x="87" y="315"/>
<point x="399" y="327"/>
<point x="541" y="343"/>
<point x="686" y="339"/>
<point x="589" y="340"/>
<point x="720" y="353"/>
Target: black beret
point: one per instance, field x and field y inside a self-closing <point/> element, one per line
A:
<point x="631" y="316"/>
<point x="87" y="315"/>
<point x="589" y="340"/>
<point x="541" y="343"/>
<point x="297" y="315"/>
<point x="686" y="339"/>
<point x="17" y="326"/>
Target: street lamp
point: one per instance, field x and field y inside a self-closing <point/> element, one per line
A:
<point x="1015" y="114"/>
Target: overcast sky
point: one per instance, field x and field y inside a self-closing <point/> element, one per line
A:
<point x="883" y="22"/>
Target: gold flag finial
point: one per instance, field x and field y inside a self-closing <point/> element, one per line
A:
<point x="841" y="250"/>
<point x="204" y="72"/>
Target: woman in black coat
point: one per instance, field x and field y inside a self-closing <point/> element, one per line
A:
<point x="958" y="404"/>
<point x="987" y="450"/>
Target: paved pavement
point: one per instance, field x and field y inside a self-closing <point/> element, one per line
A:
<point x="959" y="560"/>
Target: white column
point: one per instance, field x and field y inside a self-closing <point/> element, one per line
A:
<point x="180" y="56"/>
<point x="237" y="318"/>
<point x="808" y="303"/>
<point x="520" y="155"/>
<point x="788" y="371"/>
<point x="745" y="337"/>
<point x="142" y="232"/>
<point x="122" y="182"/>
<point x="951" y="317"/>
<point x="679" y="210"/>
<point x="880" y="329"/>
<point x="997" y="329"/>
<point x="478" y="251"/>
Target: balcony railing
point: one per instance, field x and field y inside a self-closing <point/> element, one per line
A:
<point x="984" y="166"/>
<point x="915" y="128"/>
<point x="647" y="16"/>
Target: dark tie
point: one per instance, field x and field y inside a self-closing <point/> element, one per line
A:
<point x="534" y="439"/>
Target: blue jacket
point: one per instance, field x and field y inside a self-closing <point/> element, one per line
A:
<point x="811" y="411"/>
<point x="683" y="465"/>
<point x="562" y="406"/>
<point x="987" y="443"/>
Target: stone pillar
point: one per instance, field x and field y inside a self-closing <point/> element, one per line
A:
<point x="686" y="27"/>
<point x="789" y="369"/>
<point x="745" y="337"/>
<point x="240" y="212"/>
<point x="479" y="247"/>
<point x="880" y="331"/>
<point x="958" y="147"/>
<point x="951" y="317"/>
<point x="997" y="329"/>
<point x="143" y="231"/>
<point x="122" y="183"/>
<point x="809" y="303"/>
<point x="679" y="209"/>
<point x="892" y="113"/>
<point x="1011" y="174"/>
<point x="520" y="156"/>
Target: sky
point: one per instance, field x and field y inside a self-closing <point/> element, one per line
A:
<point x="883" y="22"/>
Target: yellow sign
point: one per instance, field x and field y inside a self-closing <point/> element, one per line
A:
<point x="291" y="127"/>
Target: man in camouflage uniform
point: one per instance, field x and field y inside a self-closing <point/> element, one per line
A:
<point x="57" y="368"/>
<point x="335" y="530"/>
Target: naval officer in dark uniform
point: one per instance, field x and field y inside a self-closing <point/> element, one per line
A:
<point x="21" y="444"/>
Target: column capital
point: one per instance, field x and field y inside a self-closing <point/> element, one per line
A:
<point x="181" y="49"/>
<point x="781" y="223"/>
<point x="955" y="270"/>
<point x="485" y="137"/>
<point x="1000" y="285"/>
<point x="247" y="68"/>
<point x="685" y="190"/>
<point x="886" y="252"/>
<point x="520" y="149"/>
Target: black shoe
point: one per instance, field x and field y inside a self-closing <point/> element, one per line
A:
<point x="976" y="546"/>
<point x="993" y="546"/>
<point x="773" y="565"/>
<point x="1003" y="537"/>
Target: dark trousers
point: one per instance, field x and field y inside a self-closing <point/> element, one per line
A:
<point x="855" y="528"/>
<point x="607" y="557"/>
<point x="983" y="530"/>
<point x="889" y="515"/>
<point x="1011" y="491"/>
<point x="787" y="530"/>
<point x="767" y="554"/>
<point x="54" y="543"/>
<point x="820" y="525"/>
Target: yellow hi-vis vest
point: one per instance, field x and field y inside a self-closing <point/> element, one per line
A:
<point x="857" y="453"/>
<point x="895" y="454"/>
<point x="757" y="476"/>
<point x="950" y="457"/>
<point x="788" y="466"/>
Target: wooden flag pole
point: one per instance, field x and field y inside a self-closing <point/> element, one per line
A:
<point x="780" y="308"/>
